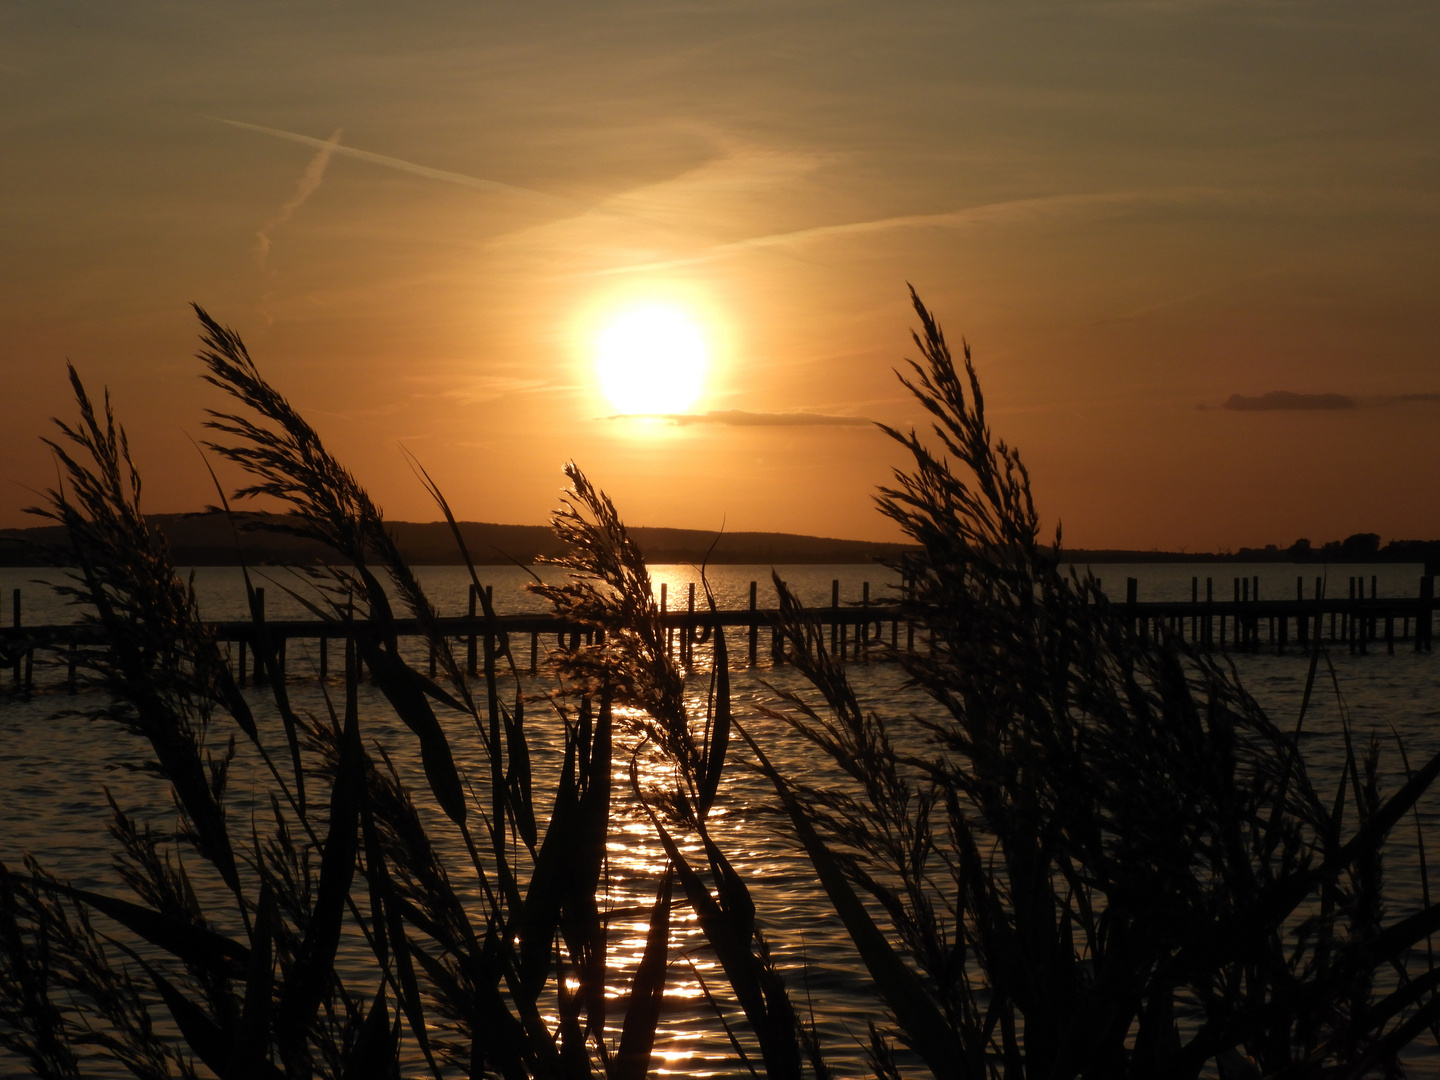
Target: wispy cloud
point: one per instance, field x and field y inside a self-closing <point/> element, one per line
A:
<point x="482" y="388"/>
<point x="1288" y="401"/>
<point x="309" y="181"/>
<point x="409" y="166"/>
<point x="1006" y="210"/>
<point x="741" y="418"/>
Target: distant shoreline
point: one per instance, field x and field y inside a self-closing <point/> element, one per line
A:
<point x="212" y="540"/>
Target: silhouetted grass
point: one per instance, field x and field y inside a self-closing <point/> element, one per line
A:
<point x="1094" y="856"/>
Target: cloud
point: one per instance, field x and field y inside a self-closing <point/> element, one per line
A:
<point x="741" y="418"/>
<point x="479" y="389"/>
<point x="309" y="181"/>
<point x="408" y="166"/>
<point x="1288" y="401"/>
<point x="1005" y="210"/>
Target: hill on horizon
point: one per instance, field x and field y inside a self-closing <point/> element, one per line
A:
<point x="210" y="539"/>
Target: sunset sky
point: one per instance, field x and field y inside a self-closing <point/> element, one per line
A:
<point x="1194" y="246"/>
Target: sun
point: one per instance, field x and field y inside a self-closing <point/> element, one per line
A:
<point x="651" y="359"/>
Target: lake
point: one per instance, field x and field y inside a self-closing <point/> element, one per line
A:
<point x="55" y="766"/>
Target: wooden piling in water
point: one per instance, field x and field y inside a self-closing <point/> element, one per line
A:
<point x="777" y="640"/>
<point x="754" y="626"/>
<point x="908" y="592"/>
<point x="472" y="659"/>
<point x="862" y="630"/>
<point x="1423" y="615"/>
<point x="15" y="622"/>
<point x="257" y="616"/>
<point x="688" y="639"/>
<point x="664" y="601"/>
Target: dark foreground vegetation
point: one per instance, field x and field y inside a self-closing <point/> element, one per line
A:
<point x="1106" y="861"/>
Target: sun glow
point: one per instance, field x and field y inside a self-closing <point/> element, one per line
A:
<point x="651" y="359"/>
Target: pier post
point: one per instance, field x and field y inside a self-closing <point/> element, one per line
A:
<point x="754" y="627"/>
<point x="494" y="644"/>
<point x="324" y="657"/>
<point x="1207" y="633"/>
<point x="835" y="620"/>
<point x="1132" y="594"/>
<point x="1302" y="624"/>
<point x="688" y="655"/>
<point x="908" y="592"/>
<point x="1345" y="619"/>
<point x="472" y="660"/>
<point x="664" y="603"/>
<point x="15" y="622"/>
<point x="1374" y="620"/>
<point x="862" y="631"/>
<point x="534" y="651"/>
<point x="777" y="640"/>
<point x="1423" y="615"/>
<point x="262" y="649"/>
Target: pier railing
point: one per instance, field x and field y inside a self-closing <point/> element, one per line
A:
<point x="857" y="631"/>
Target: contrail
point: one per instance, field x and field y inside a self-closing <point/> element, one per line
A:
<point x="945" y="219"/>
<point x="409" y="166"/>
<point x="309" y="181"/>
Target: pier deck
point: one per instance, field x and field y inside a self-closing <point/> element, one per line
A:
<point x="856" y="631"/>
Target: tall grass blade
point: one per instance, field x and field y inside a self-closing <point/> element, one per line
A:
<point x="310" y="974"/>
<point x="647" y="992"/>
<point x="923" y="1024"/>
<point x="249" y="1057"/>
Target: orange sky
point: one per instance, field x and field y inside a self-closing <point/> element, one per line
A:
<point x="419" y="216"/>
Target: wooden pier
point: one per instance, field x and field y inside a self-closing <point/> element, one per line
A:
<point x="856" y="630"/>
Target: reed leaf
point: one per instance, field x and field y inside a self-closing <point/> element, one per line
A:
<point x="647" y="991"/>
<point x="374" y="1055"/>
<point x="249" y="1056"/>
<point x="309" y="977"/>
<point x="924" y="1026"/>
<point x="195" y="945"/>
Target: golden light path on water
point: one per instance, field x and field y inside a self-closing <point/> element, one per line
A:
<point x="635" y="863"/>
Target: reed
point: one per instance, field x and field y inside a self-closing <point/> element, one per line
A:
<point x="1095" y="856"/>
<point x="1105" y="860"/>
